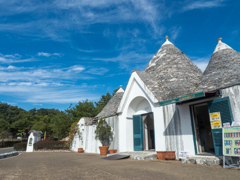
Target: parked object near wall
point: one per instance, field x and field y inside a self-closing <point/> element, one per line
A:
<point x="80" y="150"/>
<point x="103" y="150"/>
<point x="103" y="133"/>
<point x="166" y="155"/>
<point x="161" y="155"/>
<point x="170" y="155"/>
<point x="112" y="151"/>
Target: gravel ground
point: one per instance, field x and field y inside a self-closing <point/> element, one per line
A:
<point x="62" y="165"/>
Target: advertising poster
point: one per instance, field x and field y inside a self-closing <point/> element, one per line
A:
<point x="215" y="119"/>
<point x="231" y="141"/>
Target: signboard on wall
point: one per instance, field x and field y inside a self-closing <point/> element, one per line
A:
<point x="231" y="141"/>
<point x="183" y="154"/>
<point x="215" y="119"/>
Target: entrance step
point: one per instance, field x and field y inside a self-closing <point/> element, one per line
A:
<point x="204" y="160"/>
<point x="138" y="155"/>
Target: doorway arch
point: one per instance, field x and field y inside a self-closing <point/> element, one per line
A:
<point x="143" y="124"/>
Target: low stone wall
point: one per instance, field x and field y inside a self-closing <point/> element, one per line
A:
<point x="7" y="155"/>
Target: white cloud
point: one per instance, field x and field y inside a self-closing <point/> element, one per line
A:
<point x="130" y="60"/>
<point x="13" y="58"/>
<point x="49" y="54"/>
<point x="76" y="68"/>
<point x="201" y="4"/>
<point x="79" y="15"/>
<point x="98" y="71"/>
<point x="47" y="94"/>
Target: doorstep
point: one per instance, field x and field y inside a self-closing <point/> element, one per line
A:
<point x="138" y="155"/>
<point x="203" y="160"/>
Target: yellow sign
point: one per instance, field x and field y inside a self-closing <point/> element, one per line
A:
<point x="215" y="119"/>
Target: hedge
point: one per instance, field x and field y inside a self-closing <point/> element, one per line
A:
<point x="46" y="144"/>
<point x="20" y="146"/>
<point x="10" y="143"/>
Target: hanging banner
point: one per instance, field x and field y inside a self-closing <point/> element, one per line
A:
<point x="231" y="141"/>
<point x="215" y="119"/>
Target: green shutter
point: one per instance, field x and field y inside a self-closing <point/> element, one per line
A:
<point x="137" y="133"/>
<point x="223" y="106"/>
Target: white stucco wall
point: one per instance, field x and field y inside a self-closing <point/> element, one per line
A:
<point x="30" y="147"/>
<point x="87" y="139"/>
<point x="234" y="95"/>
<point x="137" y="99"/>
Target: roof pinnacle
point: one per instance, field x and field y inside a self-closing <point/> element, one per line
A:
<point x="219" y="39"/>
<point x="166" y="37"/>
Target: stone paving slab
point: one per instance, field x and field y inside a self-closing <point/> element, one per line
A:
<point x="138" y="155"/>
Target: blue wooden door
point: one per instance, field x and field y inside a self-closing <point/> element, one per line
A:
<point x="223" y="106"/>
<point x="137" y="133"/>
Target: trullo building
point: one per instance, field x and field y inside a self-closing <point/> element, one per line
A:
<point x="166" y="107"/>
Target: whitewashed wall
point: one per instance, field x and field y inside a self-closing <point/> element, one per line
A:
<point x="87" y="140"/>
<point x="173" y="129"/>
<point x="35" y="138"/>
<point x="137" y="99"/>
<point x="234" y="95"/>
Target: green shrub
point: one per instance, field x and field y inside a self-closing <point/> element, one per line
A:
<point x="103" y="132"/>
<point x="20" y="146"/>
<point x="9" y="143"/>
<point x="46" y="144"/>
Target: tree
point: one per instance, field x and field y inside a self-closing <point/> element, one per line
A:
<point x="4" y="130"/>
<point x="60" y="125"/>
<point x="74" y="130"/>
<point x="82" y="109"/>
<point x="39" y="126"/>
<point x="103" y="131"/>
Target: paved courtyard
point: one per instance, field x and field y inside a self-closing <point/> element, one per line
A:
<point x="63" y="165"/>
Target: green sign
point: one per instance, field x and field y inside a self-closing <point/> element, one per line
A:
<point x="183" y="98"/>
<point x="231" y="141"/>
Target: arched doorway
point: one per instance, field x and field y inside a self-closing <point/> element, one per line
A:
<point x="143" y="124"/>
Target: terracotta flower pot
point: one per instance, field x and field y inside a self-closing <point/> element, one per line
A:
<point x="111" y="151"/>
<point x="161" y="155"/>
<point x="80" y="150"/>
<point x="103" y="150"/>
<point x="170" y="155"/>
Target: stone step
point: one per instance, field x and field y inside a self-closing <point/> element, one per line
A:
<point x="211" y="161"/>
<point x="139" y="155"/>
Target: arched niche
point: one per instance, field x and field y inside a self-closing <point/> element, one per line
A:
<point x="139" y="105"/>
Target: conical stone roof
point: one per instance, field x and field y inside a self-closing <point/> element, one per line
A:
<point x="111" y="108"/>
<point x="223" y="69"/>
<point x="175" y="73"/>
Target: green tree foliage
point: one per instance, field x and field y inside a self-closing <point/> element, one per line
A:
<point x="103" y="131"/>
<point x="4" y="128"/>
<point x="55" y="121"/>
<point x="82" y="109"/>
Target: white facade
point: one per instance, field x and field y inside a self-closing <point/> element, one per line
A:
<point x="87" y="139"/>
<point x="32" y="139"/>
<point x="173" y="128"/>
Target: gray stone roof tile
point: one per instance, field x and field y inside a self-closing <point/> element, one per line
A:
<point x="111" y="108"/>
<point x="222" y="71"/>
<point x="175" y="74"/>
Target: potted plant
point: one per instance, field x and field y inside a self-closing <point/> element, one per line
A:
<point x="111" y="151"/>
<point x="103" y="132"/>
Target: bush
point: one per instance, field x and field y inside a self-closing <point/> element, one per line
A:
<point x="10" y="143"/>
<point x="46" y="144"/>
<point x="20" y="146"/>
<point x="103" y="132"/>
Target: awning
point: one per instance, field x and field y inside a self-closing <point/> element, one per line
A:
<point x="183" y="98"/>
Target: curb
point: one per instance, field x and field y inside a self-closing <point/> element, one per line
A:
<point x="7" y="155"/>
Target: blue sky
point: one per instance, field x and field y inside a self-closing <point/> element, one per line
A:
<point x="57" y="52"/>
